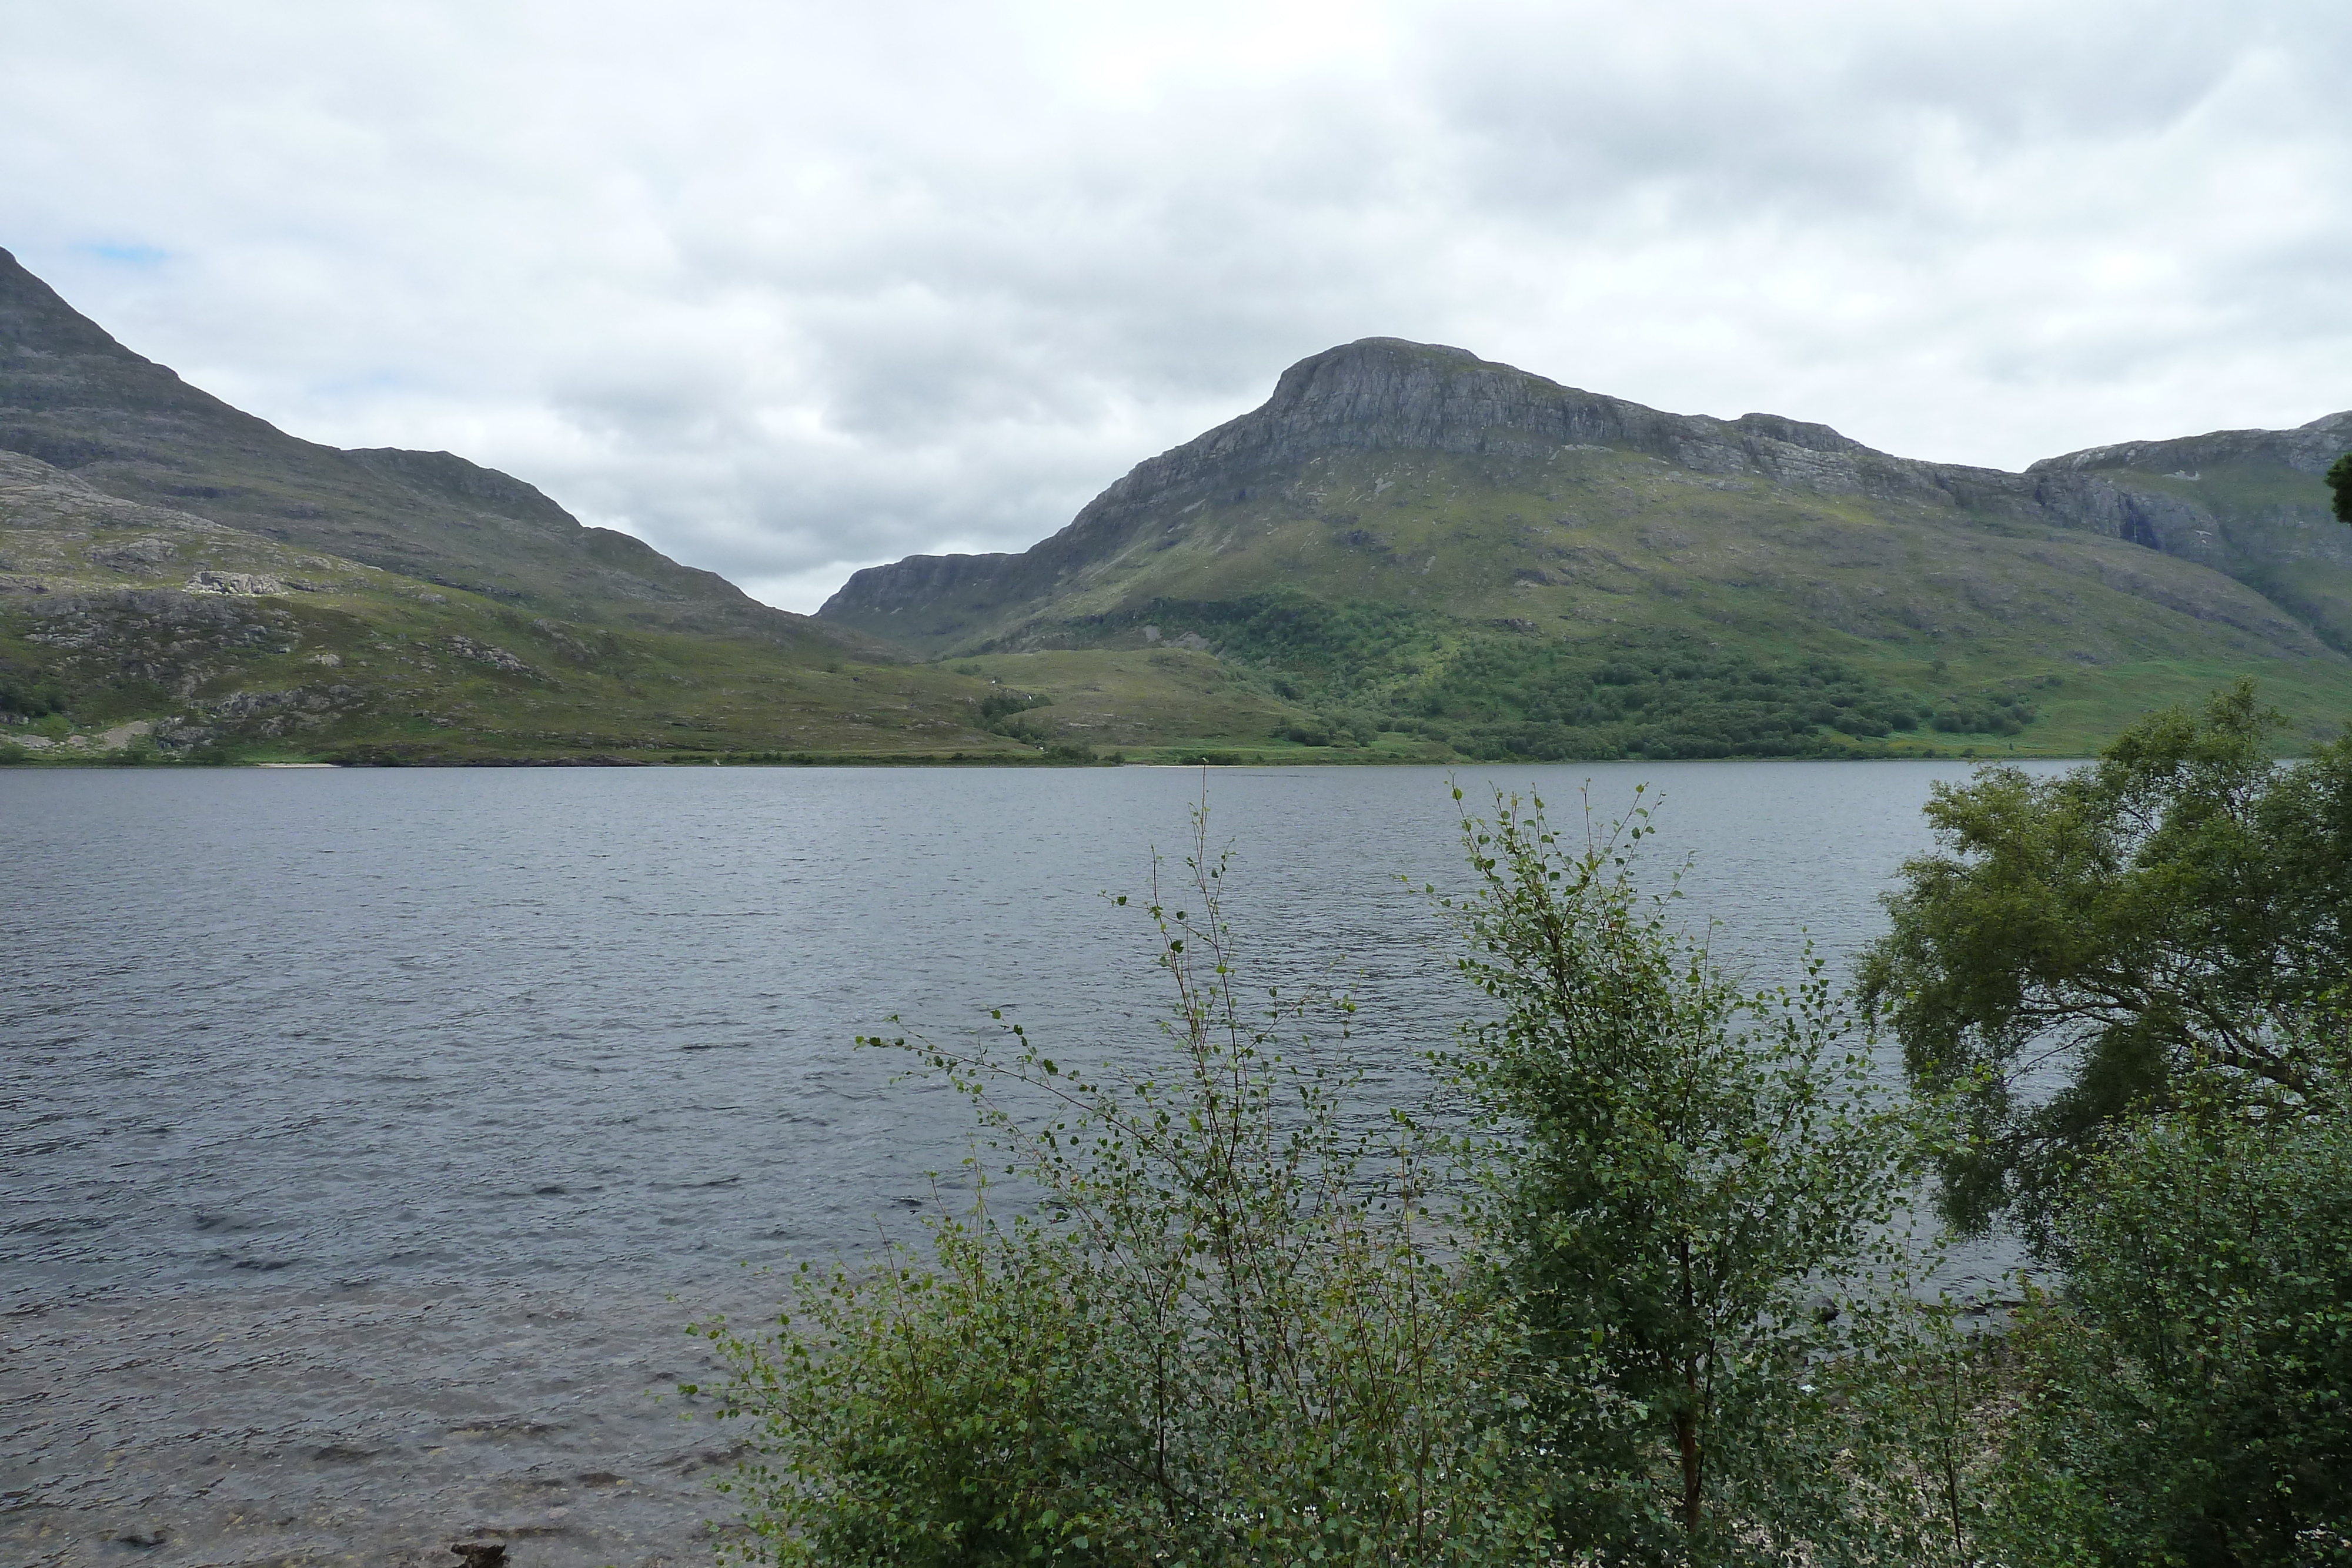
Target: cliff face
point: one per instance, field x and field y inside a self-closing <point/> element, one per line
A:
<point x="1387" y="397"/>
<point x="73" y="397"/>
<point x="2249" y="503"/>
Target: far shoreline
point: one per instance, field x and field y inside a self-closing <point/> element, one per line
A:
<point x="885" y="760"/>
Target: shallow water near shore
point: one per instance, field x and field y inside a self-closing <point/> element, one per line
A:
<point x="422" y="1093"/>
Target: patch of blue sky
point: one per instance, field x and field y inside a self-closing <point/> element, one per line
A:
<point x="125" y="254"/>
<point x="373" y="381"/>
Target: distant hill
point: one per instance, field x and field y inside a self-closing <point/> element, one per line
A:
<point x="1418" y="543"/>
<point x="180" y="580"/>
<point x="130" y="630"/>
<point x="73" y="397"/>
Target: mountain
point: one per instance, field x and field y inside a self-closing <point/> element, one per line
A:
<point x="179" y="579"/>
<point x="130" y="632"/>
<point x="1442" y="546"/>
<point x="73" y="397"/>
<point x="1408" y="552"/>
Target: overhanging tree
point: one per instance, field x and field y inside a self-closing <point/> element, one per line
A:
<point x="2084" y="941"/>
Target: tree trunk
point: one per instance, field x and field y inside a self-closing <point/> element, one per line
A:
<point x="1686" y="1438"/>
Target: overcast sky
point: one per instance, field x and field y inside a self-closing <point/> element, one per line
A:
<point x="788" y="290"/>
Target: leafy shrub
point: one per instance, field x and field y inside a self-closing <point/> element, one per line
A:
<point x="991" y="710"/>
<point x="1501" y="697"/>
<point x="2174" y="905"/>
<point x="1993" y="713"/>
<point x="1225" y="1335"/>
<point x="2188" y="1390"/>
<point x="1668" y="1322"/>
<point x="31" y="695"/>
<point x="1688" y="1192"/>
<point x="1511" y="699"/>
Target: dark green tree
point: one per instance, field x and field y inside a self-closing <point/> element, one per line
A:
<point x="2339" y="482"/>
<point x="2186" y="1397"/>
<point x="1690" y="1194"/>
<point x="2084" y="941"/>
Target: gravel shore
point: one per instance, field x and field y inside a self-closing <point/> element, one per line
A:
<point x="201" y="1428"/>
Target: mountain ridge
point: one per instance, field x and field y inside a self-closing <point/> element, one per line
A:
<point x="132" y="632"/>
<point x="179" y="580"/>
<point x="1386" y="395"/>
<point x="75" y="397"/>
<point x="1407" y="553"/>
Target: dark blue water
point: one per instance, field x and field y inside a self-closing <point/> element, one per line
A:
<point x="373" y="1028"/>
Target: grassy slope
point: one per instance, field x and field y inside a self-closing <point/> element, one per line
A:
<point x="369" y="664"/>
<point x="1173" y="705"/>
<point x="2270" y="512"/>
<point x="1598" y="546"/>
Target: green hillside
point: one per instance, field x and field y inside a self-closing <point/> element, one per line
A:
<point x="130" y="632"/>
<point x="1415" y="543"/>
<point x="182" y="580"/>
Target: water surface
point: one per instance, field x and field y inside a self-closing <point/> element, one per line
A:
<point x="366" y="1137"/>
<point x="376" y="1027"/>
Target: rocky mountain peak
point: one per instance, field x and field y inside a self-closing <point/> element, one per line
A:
<point x="1371" y="374"/>
<point x="34" y="319"/>
<point x="1380" y="393"/>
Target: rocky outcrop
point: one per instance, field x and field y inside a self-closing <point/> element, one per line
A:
<point x="2307" y="449"/>
<point x="487" y="654"/>
<point x="249" y="584"/>
<point x="133" y="555"/>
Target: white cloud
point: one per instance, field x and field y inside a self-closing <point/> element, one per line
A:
<point x="790" y="288"/>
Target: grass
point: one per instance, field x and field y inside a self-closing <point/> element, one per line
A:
<point x="1121" y="700"/>
<point x="367" y="665"/>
